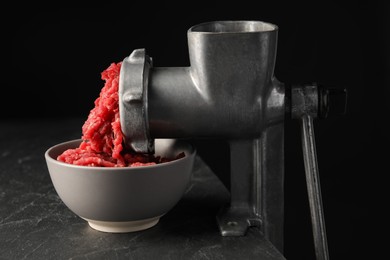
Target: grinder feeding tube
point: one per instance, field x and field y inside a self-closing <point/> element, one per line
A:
<point x="229" y="91"/>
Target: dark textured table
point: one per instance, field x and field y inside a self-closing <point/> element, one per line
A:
<point x="35" y="224"/>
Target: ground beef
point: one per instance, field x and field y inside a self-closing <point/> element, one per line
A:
<point x="102" y="138"/>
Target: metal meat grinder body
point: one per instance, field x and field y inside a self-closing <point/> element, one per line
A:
<point x="229" y="91"/>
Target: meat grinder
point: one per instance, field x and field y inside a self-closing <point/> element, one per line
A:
<point x="229" y="92"/>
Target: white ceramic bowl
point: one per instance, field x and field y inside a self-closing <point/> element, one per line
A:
<point x="122" y="199"/>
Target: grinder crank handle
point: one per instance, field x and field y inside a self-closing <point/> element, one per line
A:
<point x="314" y="188"/>
<point x="307" y="103"/>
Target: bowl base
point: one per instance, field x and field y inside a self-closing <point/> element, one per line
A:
<point x="122" y="226"/>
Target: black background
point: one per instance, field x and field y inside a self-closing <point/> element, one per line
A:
<point x="57" y="57"/>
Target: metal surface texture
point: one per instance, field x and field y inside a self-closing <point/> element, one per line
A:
<point x="308" y="102"/>
<point x="305" y="103"/>
<point x="133" y="101"/>
<point x="314" y="188"/>
<point x="256" y="193"/>
<point x="228" y="92"/>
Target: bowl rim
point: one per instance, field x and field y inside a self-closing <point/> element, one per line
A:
<point x="192" y="152"/>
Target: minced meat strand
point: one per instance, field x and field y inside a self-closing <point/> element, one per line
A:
<point x="102" y="138"/>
